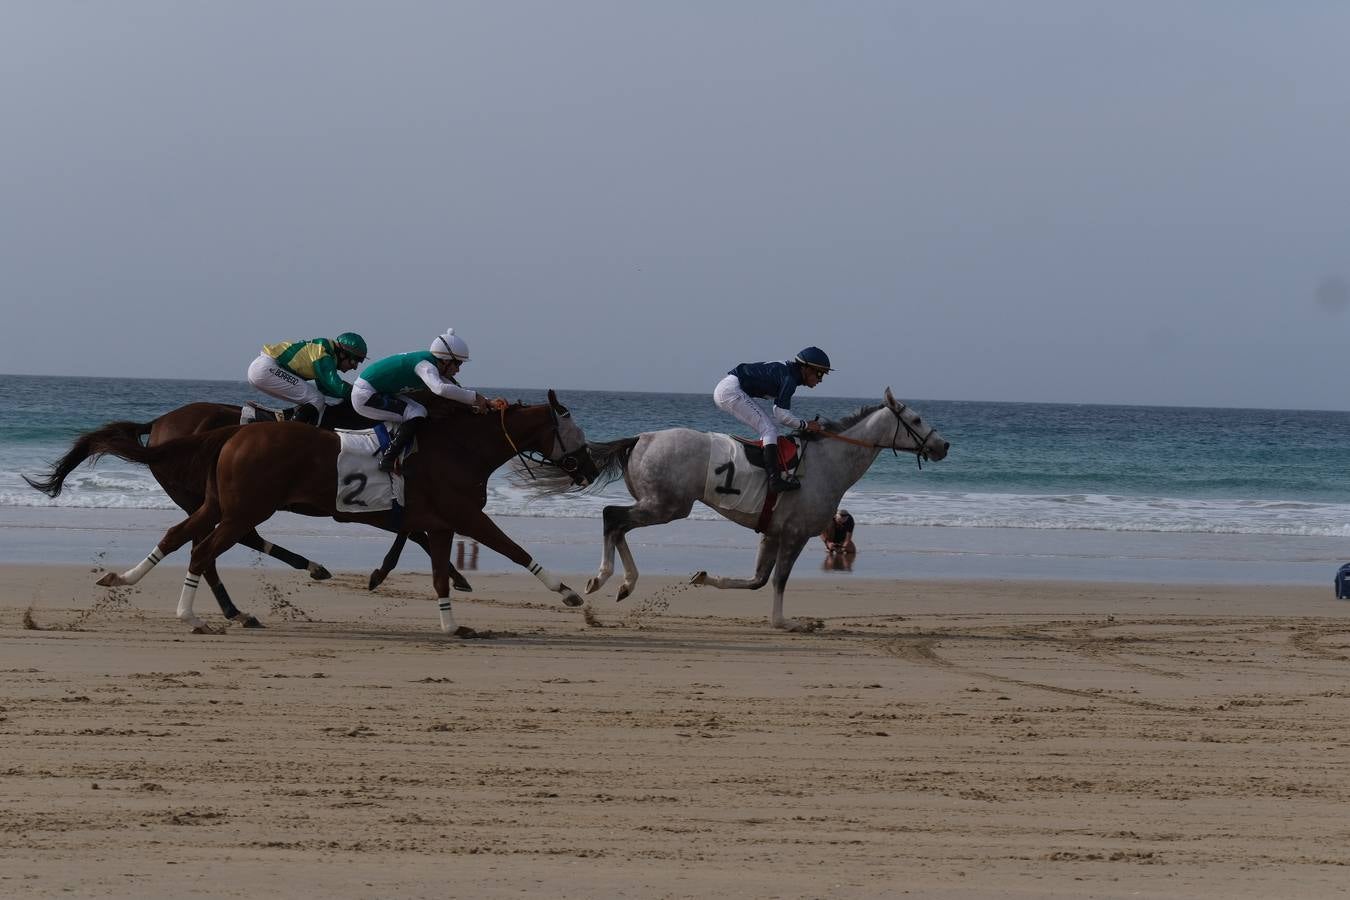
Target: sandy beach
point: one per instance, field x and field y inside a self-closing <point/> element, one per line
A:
<point x="941" y="739"/>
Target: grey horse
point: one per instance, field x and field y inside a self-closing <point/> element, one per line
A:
<point x="667" y="471"/>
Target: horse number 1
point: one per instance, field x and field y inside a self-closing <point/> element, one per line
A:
<point x="730" y="468"/>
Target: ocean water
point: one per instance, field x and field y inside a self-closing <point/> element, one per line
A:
<point x="1055" y="467"/>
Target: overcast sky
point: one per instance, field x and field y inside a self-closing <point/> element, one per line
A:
<point x="1050" y="201"/>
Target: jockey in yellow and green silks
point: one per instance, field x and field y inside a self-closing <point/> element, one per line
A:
<point x="306" y="373"/>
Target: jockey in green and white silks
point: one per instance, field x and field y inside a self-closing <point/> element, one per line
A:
<point x="306" y="373"/>
<point x="377" y="392"/>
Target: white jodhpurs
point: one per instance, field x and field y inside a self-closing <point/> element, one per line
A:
<point x="730" y="398"/>
<point x="273" y="380"/>
<point x="363" y="395"/>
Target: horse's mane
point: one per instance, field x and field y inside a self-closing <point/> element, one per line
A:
<point x="845" y="423"/>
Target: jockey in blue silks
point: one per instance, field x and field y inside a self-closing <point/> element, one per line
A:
<point x="776" y="381"/>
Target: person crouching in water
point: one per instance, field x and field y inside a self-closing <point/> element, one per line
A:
<point x="306" y="372"/>
<point x="838" y="534"/>
<point x="776" y="381"/>
<point x="375" y="394"/>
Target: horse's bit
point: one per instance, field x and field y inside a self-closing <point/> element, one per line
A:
<point x="568" y="463"/>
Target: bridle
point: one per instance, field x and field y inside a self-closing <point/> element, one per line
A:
<point x="570" y="462"/>
<point x="920" y="452"/>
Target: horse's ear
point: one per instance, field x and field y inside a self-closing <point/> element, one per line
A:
<point x="553" y="402"/>
<point x="890" y="398"/>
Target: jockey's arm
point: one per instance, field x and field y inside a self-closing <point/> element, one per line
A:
<point x="327" y="379"/>
<point x="448" y="389"/>
<point x="788" y="419"/>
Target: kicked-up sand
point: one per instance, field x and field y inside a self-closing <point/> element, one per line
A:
<point x="939" y="739"/>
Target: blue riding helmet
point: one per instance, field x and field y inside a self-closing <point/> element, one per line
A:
<point x="815" y="358"/>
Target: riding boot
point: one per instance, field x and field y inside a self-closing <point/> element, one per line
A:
<point x="307" y="413"/>
<point x="778" y="481"/>
<point x="400" y="441"/>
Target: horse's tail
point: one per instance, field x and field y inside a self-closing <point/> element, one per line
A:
<point x="123" y="440"/>
<point x="611" y="460"/>
<point x="92" y="444"/>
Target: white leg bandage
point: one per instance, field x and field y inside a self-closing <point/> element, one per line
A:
<point x="447" y="617"/>
<point x="186" y="598"/>
<point x="138" y="571"/>
<point x="550" y="580"/>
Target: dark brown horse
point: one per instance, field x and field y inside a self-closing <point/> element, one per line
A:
<point x="186" y="487"/>
<point x="254" y="471"/>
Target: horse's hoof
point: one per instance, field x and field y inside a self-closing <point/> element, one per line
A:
<point x="109" y="579"/>
<point x="250" y="621"/>
<point x="461" y="584"/>
<point x="803" y="626"/>
<point x="699" y="578"/>
<point x="464" y="631"/>
<point x="376" y="579"/>
<point x="570" y="597"/>
<point x="624" y="591"/>
<point x="319" y="573"/>
<point x="592" y="585"/>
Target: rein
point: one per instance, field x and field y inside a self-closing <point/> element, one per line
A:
<point x="521" y="456"/>
<point x="919" y="451"/>
<point x="854" y="441"/>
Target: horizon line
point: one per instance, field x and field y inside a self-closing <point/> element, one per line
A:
<point x="242" y="381"/>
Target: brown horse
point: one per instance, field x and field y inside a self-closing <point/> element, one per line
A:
<point x="255" y="471"/>
<point x="198" y="417"/>
<point x="186" y="486"/>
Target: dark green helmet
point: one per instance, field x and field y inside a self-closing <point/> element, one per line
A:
<point x="353" y="343"/>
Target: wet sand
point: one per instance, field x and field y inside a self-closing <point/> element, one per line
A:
<point x="942" y="739"/>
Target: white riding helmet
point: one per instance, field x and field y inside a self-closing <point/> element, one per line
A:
<point x="450" y="346"/>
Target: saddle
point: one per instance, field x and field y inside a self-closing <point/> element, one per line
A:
<point x="789" y="455"/>
<point x="256" y="412"/>
<point x="252" y="411"/>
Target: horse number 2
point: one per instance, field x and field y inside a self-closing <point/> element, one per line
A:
<point x="350" y="498"/>
<point x="730" y="468"/>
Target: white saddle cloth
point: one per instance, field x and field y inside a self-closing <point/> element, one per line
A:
<point x="361" y="486"/>
<point x="733" y="484"/>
